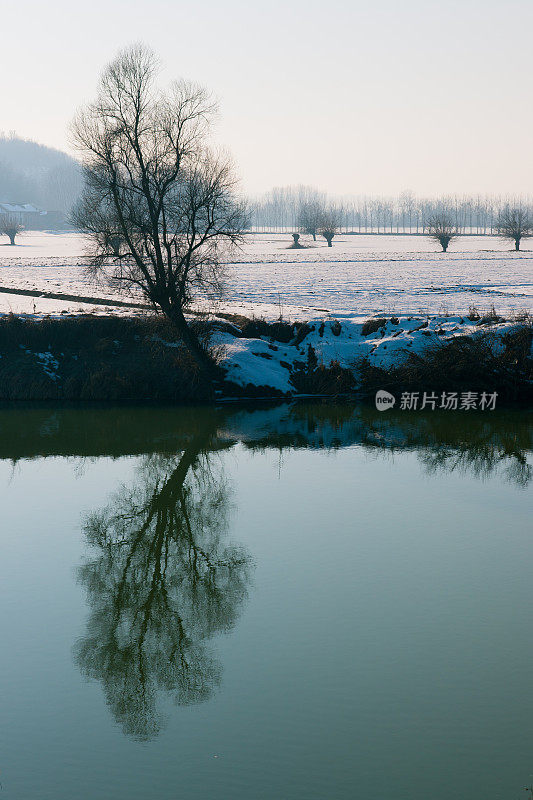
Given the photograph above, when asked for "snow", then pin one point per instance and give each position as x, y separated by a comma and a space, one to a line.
387, 273
403, 277
359, 274
43, 245
47, 361
38, 307
256, 362
342, 341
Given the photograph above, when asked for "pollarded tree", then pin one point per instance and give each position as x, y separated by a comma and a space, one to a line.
310, 216
10, 227
329, 224
514, 224
442, 228
154, 188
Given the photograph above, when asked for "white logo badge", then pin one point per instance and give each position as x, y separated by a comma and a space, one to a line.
384, 400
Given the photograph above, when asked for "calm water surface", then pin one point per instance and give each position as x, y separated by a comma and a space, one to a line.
298, 602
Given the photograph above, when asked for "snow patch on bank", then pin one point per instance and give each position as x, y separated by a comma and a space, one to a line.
257, 362
263, 362
46, 360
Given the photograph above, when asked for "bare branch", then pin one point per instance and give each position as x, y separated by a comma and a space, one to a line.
160, 209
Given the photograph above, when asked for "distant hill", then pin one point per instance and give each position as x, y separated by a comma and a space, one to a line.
33, 173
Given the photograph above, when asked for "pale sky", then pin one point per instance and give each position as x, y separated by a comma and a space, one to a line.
355, 97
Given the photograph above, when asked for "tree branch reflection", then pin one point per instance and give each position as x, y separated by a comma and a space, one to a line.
163, 583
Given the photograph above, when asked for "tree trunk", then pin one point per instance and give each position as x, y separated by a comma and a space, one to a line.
444, 248
517, 244
190, 340
12, 237
314, 237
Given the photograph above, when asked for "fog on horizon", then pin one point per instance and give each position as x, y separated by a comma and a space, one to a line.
355, 99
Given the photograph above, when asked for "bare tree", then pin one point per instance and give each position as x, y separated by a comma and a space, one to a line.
10, 227
310, 216
442, 228
514, 224
296, 242
280, 209
98, 218
159, 207
329, 224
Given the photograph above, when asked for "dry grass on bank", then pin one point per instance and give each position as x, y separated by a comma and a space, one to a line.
96, 358
479, 363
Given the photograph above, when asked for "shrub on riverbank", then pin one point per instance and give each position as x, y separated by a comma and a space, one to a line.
96, 358
134, 358
314, 378
278, 331
481, 363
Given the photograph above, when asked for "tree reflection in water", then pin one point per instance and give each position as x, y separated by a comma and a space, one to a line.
163, 582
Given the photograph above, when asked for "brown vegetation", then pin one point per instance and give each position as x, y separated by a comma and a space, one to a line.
314, 378
96, 358
479, 364
372, 325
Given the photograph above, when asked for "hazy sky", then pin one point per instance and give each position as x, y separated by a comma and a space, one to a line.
354, 97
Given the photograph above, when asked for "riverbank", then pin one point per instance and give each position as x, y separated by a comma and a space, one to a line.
95, 358
141, 359
409, 352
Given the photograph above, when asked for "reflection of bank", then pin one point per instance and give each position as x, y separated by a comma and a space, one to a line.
479, 442
163, 582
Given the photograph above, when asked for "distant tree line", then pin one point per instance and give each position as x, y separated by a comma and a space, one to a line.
290, 208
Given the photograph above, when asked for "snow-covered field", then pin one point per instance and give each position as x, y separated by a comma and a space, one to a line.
425, 295
358, 275
395, 274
